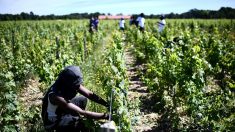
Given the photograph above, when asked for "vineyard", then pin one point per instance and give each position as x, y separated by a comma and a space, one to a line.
185, 74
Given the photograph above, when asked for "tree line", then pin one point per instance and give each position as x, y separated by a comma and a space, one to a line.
32, 16
223, 12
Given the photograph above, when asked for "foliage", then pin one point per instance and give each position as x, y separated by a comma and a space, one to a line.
178, 63
189, 67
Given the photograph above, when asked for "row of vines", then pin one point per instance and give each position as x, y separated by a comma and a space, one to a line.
39, 48
42, 49
190, 70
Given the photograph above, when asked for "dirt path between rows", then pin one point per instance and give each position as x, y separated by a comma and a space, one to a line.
147, 119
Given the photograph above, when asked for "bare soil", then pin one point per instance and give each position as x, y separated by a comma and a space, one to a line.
31, 94
147, 119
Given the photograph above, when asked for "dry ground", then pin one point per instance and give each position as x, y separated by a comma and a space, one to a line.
147, 120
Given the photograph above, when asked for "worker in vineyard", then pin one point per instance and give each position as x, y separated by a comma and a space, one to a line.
161, 23
96, 23
137, 21
132, 20
141, 21
62, 109
122, 24
91, 25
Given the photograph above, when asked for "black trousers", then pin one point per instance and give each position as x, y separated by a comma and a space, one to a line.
70, 122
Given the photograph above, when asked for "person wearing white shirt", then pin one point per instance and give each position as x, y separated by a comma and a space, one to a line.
141, 21
122, 24
161, 24
138, 20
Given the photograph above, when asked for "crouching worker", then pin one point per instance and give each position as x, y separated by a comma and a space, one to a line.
62, 109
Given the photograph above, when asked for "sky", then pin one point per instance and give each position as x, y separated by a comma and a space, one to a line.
126, 7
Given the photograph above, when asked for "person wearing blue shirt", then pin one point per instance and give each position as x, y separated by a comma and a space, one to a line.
96, 23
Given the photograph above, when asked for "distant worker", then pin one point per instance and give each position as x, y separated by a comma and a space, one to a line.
141, 21
161, 23
137, 21
96, 23
122, 24
91, 25
132, 20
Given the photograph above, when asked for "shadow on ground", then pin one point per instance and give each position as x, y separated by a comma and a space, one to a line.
154, 104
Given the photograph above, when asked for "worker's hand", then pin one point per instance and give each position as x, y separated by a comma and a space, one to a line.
106, 116
107, 106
